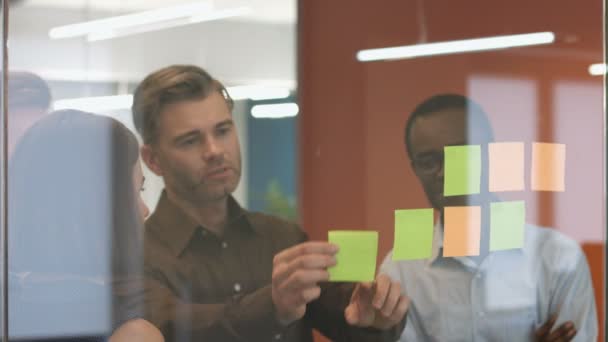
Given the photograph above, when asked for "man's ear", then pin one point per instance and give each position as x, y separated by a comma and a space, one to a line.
150, 158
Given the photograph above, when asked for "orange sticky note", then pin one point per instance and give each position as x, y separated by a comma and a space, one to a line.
461, 231
548, 167
506, 166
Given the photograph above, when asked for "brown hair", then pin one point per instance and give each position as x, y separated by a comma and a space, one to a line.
169, 85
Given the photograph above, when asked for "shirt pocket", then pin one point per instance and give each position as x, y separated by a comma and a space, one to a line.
456, 323
511, 325
525, 322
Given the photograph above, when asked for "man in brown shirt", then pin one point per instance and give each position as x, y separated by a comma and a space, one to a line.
215, 272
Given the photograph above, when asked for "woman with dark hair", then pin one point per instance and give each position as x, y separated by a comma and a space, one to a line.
75, 229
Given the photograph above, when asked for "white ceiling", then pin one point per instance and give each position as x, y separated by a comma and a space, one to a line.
258, 50
270, 11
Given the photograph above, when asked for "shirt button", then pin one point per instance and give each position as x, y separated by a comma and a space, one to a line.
237, 287
224, 245
277, 336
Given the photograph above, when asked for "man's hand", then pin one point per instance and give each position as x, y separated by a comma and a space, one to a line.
378, 305
296, 273
564, 332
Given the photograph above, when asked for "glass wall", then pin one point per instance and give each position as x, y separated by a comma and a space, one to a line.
74, 171
3, 173
532, 74
470, 136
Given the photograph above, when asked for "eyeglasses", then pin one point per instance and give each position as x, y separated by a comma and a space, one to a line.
428, 163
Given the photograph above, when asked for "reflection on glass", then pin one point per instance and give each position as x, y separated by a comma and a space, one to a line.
537, 94
75, 225
3, 176
73, 237
29, 99
490, 275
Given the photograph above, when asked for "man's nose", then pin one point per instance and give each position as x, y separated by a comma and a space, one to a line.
145, 210
213, 149
440, 172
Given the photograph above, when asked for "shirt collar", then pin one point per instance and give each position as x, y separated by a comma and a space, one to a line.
176, 228
437, 248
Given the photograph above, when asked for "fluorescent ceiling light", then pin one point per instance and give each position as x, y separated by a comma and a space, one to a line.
597, 69
145, 21
128, 31
275, 111
456, 46
257, 92
157, 26
96, 104
220, 14
129, 20
88, 75
105, 103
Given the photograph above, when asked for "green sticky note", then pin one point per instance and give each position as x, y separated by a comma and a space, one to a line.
462, 170
507, 222
356, 259
413, 234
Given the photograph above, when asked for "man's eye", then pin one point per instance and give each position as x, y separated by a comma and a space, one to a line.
427, 161
188, 142
426, 164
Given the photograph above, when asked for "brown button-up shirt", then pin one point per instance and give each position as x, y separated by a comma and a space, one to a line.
204, 287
